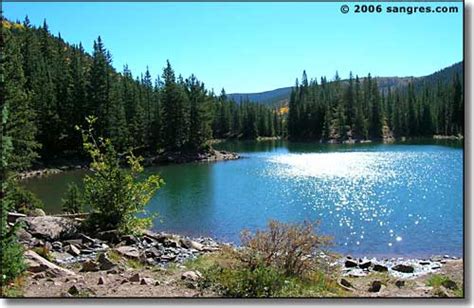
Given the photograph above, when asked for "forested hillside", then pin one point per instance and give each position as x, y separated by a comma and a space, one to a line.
360, 109
52, 86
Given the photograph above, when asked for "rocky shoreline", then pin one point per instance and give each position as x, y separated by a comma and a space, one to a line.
162, 159
58, 252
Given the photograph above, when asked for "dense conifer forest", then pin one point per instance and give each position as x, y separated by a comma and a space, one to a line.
51, 86
358, 109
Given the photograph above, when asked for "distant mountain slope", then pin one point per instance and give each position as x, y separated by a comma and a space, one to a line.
281, 96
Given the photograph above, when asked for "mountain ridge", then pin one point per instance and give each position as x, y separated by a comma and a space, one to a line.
281, 96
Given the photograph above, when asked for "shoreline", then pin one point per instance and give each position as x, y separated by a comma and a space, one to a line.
60, 259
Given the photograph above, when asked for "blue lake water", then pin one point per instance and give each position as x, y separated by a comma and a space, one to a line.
373, 199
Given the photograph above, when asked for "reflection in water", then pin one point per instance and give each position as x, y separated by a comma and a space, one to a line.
373, 199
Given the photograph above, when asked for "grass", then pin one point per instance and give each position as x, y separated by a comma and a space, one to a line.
14, 289
437, 281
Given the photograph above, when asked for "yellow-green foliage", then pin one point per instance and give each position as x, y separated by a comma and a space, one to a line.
116, 195
272, 263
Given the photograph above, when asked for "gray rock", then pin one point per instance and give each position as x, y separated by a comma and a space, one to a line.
128, 251
74, 290
400, 283
90, 266
105, 263
37, 212
365, 265
73, 250
403, 268
350, 263
101, 281
191, 276
380, 268
375, 286
36, 264
147, 281
58, 246
50, 227
346, 283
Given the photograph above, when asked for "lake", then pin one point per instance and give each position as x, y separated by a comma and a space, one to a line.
374, 199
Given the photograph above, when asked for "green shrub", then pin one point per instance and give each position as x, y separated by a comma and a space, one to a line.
73, 203
116, 196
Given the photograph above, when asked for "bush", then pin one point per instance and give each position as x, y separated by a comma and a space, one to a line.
116, 196
271, 263
12, 264
73, 203
288, 248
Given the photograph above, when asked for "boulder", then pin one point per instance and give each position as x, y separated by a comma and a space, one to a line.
375, 286
101, 281
190, 244
58, 246
73, 250
128, 251
403, 268
90, 266
400, 283
24, 236
365, 265
50, 227
380, 268
105, 263
147, 281
191, 276
346, 285
36, 263
350, 263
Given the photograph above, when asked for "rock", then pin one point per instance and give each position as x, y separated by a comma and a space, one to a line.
380, 268
40, 275
73, 250
449, 284
90, 266
75, 242
87, 239
135, 278
436, 258
23, 236
167, 257
157, 283
191, 275
36, 264
50, 227
365, 265
189, 244
124, 281
101, 281
58, 246
129, 240
152, 253
147, 281
345, 284
400, 283
424, 262
105, 263
128, 251
375, 286
350, 263
37, 212
403, 268
47, 246
74, 290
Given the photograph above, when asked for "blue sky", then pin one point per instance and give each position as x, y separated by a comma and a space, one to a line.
253, 47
